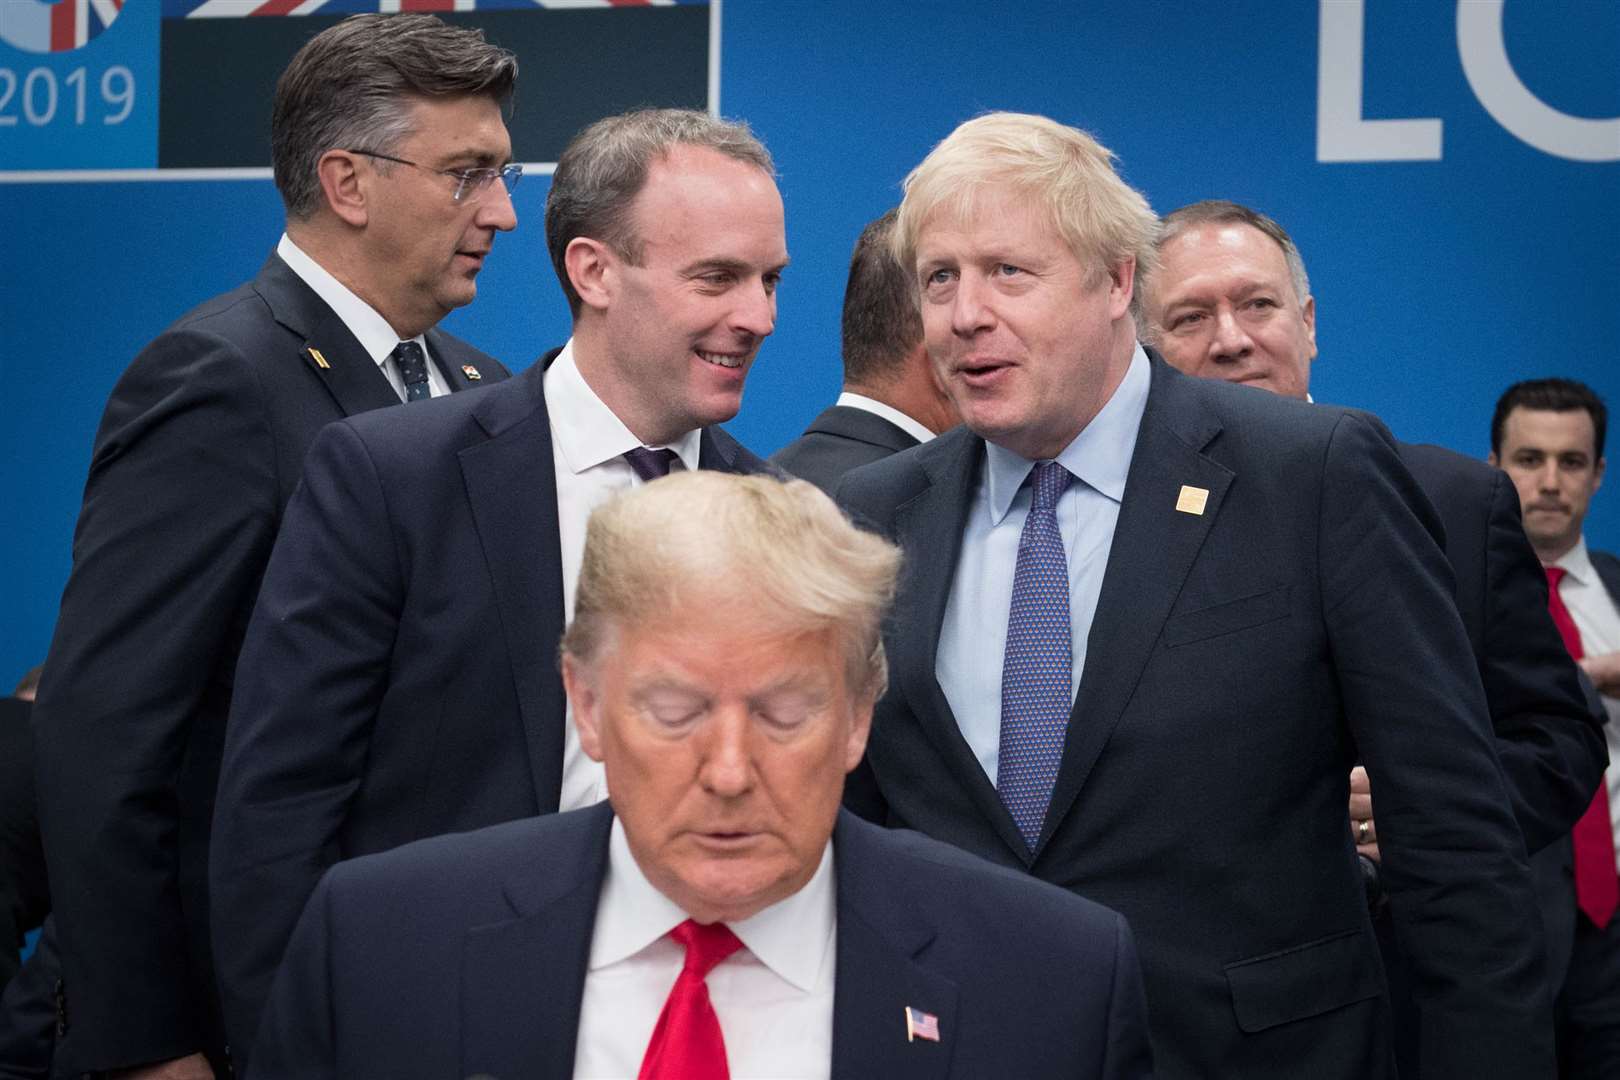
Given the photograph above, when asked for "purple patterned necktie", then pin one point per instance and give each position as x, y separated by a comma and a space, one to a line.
413, 370
650, 464
1038, 668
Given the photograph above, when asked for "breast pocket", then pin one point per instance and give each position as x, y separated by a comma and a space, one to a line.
1227, 618
1304, 981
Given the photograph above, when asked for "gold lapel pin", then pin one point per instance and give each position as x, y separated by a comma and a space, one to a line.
471, 372
1192, 500
320, 361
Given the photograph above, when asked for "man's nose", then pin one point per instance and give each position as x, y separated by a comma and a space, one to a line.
1230, 342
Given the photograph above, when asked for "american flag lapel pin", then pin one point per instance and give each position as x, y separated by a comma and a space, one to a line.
471, 372
921, 1025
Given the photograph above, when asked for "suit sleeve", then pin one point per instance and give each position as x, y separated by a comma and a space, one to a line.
1550, 741
1453, 860
1130, 1051
313, 670
297, 1040
179, 512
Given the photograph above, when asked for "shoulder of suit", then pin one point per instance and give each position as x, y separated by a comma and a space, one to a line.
924, 872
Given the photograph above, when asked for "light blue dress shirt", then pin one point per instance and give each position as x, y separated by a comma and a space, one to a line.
973, 638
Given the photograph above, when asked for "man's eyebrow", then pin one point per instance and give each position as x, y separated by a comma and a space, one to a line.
735, 266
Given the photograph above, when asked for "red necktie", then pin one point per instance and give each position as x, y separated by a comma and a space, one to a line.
687, 1044
1597, 886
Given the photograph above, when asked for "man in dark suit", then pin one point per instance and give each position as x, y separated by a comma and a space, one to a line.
396, 681
1548, 435
722, 917
1146, 676
892, 399
1231, 300
197, 454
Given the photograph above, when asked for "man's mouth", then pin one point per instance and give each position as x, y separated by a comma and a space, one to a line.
725, 360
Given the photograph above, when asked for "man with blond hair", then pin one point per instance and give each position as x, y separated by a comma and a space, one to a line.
721, 916
1151, 621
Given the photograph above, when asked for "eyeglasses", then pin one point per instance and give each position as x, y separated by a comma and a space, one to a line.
470, 183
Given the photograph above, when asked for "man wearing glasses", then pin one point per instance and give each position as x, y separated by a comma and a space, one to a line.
198, 452
399, 675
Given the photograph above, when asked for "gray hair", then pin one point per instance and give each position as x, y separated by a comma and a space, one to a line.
350, 87
1225, 212
782, 548
1102, 219
605, 167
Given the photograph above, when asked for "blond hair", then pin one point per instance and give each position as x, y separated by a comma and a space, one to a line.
1102, 219
781, 548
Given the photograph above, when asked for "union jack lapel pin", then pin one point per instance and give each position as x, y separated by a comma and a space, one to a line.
471, 372
921, 1025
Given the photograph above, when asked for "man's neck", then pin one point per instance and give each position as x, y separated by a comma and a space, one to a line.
591, 358
341, 261
1550, 554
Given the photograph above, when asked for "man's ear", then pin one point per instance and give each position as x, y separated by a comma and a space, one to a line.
593, 269
343, 186
586, 702
1121, 287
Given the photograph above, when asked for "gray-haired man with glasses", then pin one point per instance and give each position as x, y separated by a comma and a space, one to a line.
199, 450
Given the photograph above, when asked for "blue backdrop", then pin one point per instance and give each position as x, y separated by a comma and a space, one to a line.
1438, 279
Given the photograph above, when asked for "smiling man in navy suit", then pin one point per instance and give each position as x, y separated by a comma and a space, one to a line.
394, 681
722, 917
1147, 625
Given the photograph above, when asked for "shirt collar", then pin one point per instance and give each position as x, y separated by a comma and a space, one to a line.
1100, 455
789, 937
1577, 564
888, 412
585, 432
368, 327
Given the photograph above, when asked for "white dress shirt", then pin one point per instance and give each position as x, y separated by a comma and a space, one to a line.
888, 412
587, 453
368, 327
773, 997
1598, 620
973, 636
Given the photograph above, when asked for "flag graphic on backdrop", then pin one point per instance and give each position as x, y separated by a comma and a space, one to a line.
58, 27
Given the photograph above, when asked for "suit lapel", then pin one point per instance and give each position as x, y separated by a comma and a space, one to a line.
522, 980
512, 491
937, 515
459, 365
879, 976
1153, 551
327, 347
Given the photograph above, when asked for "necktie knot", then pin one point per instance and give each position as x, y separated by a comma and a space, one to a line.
1555, 574
706, 945
1049, 480
650, 464
412, 370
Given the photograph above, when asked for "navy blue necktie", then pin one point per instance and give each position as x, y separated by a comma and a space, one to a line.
1038, 667
650, 464
413, 370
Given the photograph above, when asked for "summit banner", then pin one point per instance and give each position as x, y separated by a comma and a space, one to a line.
137, 89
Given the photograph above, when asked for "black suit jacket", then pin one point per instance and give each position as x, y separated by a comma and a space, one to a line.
467, 956
1548, 738
841, 439
198, 452
1239, 662
399, 679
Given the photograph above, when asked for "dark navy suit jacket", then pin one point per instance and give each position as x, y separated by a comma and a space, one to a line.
199, 449
1240, 660
466, 956
399, 678
841, 439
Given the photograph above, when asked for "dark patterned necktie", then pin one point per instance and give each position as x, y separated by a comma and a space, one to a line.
413, 370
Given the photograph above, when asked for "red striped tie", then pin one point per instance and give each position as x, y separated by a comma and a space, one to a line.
1597, 885
687, 1044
